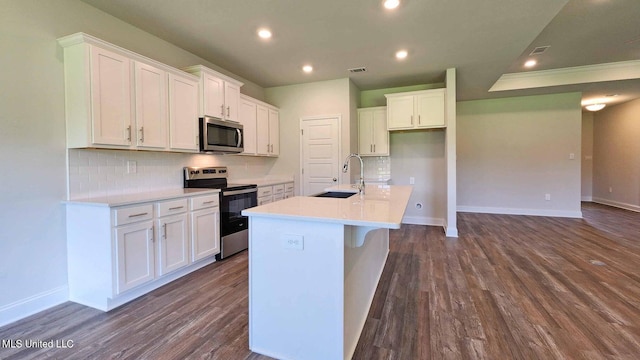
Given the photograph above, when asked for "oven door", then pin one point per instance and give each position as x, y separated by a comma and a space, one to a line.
232, 204
220, 136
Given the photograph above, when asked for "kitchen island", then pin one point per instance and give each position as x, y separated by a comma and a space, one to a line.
314, 264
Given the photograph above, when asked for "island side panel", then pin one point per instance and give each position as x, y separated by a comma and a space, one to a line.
362, 271
296, 288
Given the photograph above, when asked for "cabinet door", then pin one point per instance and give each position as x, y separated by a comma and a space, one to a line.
231, 101
205, 233
274, 132
263, 146
183, 113
110, 98
248, 118
400, 112
135, 255
213, 93
365, 132
430, 109
173, 238
151, 106
379, 133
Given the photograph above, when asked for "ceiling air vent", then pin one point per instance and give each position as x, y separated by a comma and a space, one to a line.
358, 70
539, 50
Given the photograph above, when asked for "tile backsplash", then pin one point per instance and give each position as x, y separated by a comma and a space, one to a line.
377, 167
98, 173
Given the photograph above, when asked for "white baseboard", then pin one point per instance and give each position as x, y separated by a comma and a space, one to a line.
422, 220
512, 211
33, 304
587, 198
617, 204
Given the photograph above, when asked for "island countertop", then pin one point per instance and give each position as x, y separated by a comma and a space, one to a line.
381, 206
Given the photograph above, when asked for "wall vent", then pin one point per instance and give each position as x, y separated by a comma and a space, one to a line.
539, 50
358, 70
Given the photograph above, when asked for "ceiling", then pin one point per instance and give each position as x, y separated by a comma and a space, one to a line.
482, 39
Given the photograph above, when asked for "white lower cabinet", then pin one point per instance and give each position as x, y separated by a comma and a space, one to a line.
116, 254
270, 193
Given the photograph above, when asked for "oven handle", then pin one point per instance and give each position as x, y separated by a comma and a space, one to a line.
237, 192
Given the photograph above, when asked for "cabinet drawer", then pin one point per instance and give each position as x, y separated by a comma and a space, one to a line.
202, 202
265, 191
278, 189
278, 197
288, 187
132, 214
265, 200
172, 207
288, 194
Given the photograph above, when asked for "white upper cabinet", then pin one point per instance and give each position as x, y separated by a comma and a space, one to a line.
117, 99
219, 94
416, 110
373, 136
151, 106
110, 102
183, 113
261, 123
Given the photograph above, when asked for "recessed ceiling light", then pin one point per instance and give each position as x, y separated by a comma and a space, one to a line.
530, 63
401, 54
264, 33
391, 4
307, 68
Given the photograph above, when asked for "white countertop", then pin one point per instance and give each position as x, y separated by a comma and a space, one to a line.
129, 199
381, 206
264, 181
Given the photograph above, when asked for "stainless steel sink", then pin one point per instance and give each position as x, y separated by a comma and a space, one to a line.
335, 194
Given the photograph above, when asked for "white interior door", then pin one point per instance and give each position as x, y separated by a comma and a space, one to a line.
320, 139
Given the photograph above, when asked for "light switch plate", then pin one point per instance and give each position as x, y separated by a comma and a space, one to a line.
292, 241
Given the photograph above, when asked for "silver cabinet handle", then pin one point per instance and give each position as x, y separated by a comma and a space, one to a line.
164, 231
222, 110
374, 147
228, 111
151, 234
208, 202
419, 122
411, 119
197, 140
137, 215
176, 207
142, 134
129, 133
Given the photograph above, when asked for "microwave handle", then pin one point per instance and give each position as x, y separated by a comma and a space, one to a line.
239, 138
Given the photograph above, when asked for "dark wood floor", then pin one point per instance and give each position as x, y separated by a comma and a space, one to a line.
511, 287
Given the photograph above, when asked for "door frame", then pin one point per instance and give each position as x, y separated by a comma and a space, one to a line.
301, 165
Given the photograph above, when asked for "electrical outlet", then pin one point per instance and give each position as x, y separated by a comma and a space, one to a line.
547, 197
291, 241
572, 156
610, 189
412, 180
132, 167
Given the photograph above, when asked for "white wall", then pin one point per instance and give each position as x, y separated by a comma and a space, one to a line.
303, 100
513, 151
616, 156
420, 154
587, 156
32, 133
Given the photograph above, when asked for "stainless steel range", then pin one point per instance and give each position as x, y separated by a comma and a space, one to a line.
234, 234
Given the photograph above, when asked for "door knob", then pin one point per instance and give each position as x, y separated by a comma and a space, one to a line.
334, 179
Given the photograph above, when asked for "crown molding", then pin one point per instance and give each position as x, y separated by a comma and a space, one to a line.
623, 70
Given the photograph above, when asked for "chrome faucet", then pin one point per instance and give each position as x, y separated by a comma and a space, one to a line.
345, 167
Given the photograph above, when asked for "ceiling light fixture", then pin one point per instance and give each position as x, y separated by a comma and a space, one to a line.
307, 68
402, 54
264, 33
595, 107
391, 4
530, 63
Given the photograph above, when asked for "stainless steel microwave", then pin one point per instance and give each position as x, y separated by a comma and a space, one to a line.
220, 136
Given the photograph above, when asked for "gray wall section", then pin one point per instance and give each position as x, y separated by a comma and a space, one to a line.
513, 151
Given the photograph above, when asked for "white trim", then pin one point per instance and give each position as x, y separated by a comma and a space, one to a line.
617, 204
623, 70
423, 220
587, 198
33, 304
301, 163
515, 211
